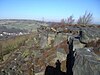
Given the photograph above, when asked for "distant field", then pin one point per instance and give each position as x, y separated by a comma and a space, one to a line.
22, 24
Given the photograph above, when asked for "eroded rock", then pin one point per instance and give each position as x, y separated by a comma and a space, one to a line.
86, 63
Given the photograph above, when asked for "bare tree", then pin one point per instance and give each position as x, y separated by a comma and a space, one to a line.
62, 21
85, 19
70, 20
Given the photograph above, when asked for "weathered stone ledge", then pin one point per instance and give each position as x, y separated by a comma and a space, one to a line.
86, 62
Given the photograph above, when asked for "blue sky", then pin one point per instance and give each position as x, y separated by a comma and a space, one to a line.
51, 10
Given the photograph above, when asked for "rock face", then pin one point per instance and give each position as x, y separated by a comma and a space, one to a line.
89, 34
86, 63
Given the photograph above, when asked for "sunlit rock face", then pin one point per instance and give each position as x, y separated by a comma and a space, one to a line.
86, 62
77, 44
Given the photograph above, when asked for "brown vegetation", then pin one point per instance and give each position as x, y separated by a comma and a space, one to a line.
95, 45
11, 44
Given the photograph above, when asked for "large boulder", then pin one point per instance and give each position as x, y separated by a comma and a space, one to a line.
86, 62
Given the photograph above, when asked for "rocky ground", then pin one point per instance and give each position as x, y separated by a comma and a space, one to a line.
39, 51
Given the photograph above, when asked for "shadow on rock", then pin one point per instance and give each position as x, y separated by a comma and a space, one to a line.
50, 70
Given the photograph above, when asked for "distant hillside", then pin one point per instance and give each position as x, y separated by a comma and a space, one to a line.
11, 30
21, 24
